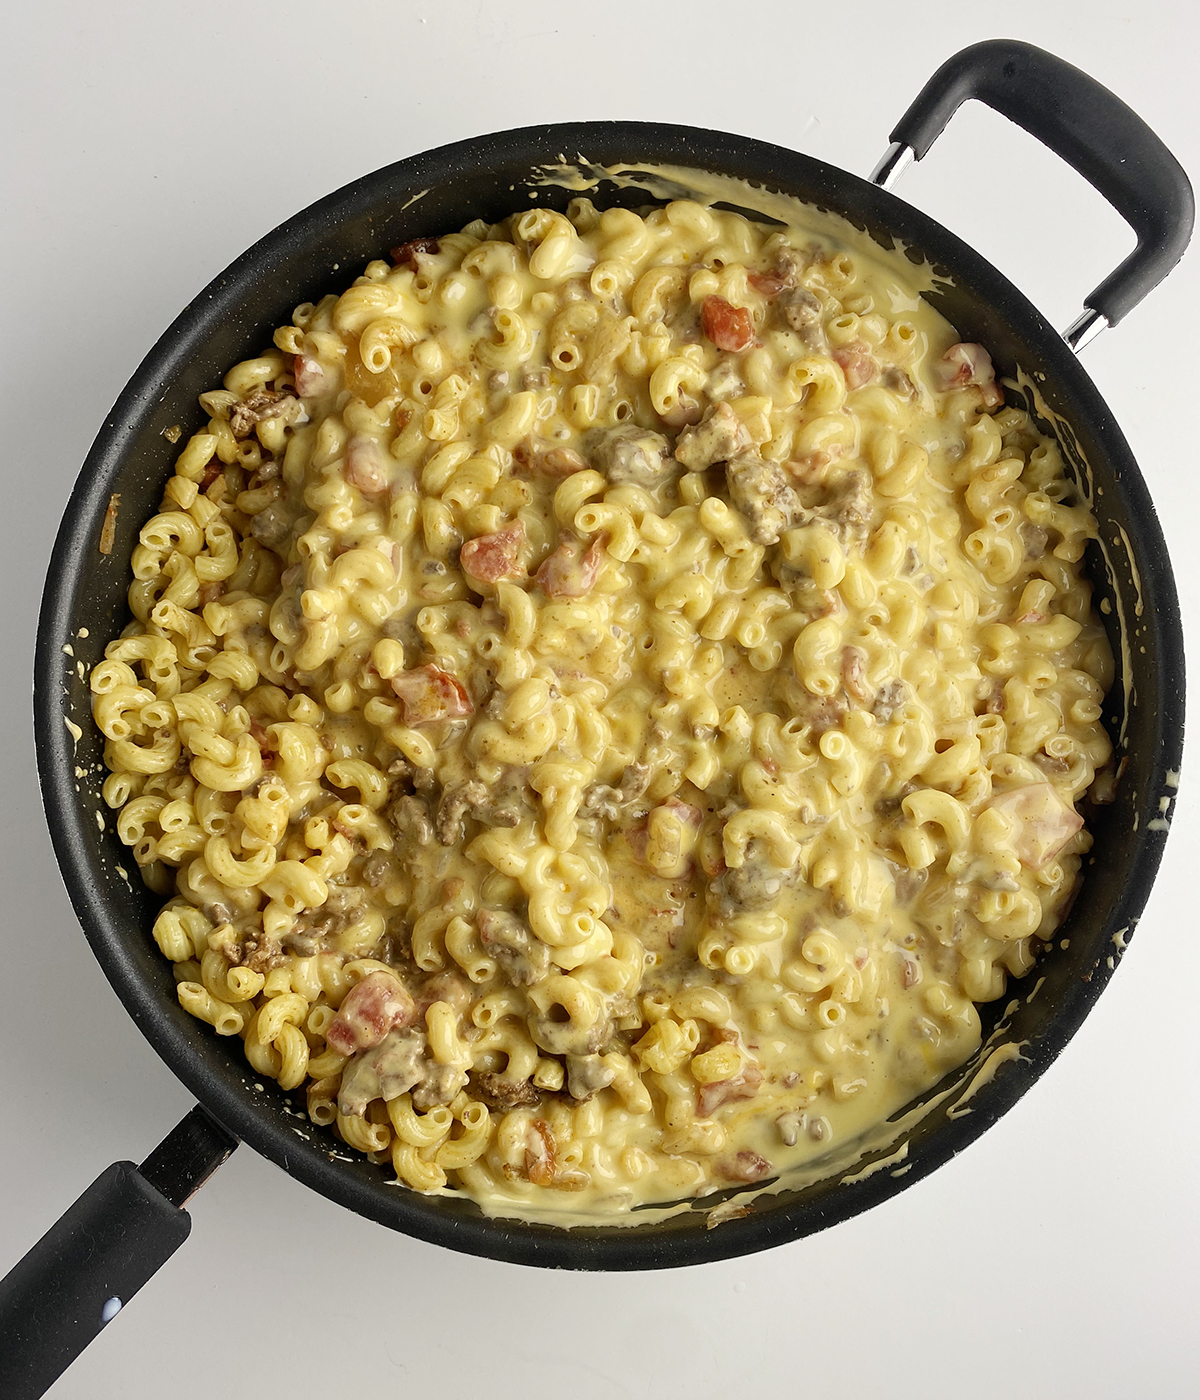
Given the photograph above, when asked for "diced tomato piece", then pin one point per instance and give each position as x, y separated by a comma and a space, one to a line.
569, 574
745, 1166
541, 1166
687, 814
488, 558
1044, 822
561, 461
858, 367
638, 837
968, 364
370, 1010
365, 466
810, 468
557, 461
710, 1097
770, 284
430, 694
788, 266
729, 327
406, 254
310, 376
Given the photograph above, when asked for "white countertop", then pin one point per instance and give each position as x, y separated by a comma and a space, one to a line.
147, 145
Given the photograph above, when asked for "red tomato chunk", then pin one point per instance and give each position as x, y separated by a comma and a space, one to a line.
406, 254
370, 1010
729, 327
430, 694
569, 574
489, 558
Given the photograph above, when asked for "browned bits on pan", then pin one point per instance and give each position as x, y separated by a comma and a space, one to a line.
108, 531
406, 254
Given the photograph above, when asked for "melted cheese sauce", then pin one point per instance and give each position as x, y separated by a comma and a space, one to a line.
608, 696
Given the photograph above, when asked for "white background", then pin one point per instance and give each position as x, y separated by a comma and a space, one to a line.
146, 145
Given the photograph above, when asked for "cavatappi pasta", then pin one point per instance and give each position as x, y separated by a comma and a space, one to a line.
607, 695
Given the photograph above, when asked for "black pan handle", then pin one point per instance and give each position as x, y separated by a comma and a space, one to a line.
87, 1266
1092, 129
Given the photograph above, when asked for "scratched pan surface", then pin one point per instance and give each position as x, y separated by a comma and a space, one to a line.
321, 250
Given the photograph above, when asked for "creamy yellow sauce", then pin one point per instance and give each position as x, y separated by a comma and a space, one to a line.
608, 696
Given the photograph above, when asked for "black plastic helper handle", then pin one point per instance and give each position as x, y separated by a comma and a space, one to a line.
87, 1266
1090, 128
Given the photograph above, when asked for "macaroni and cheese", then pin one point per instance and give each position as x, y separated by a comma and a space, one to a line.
607, 696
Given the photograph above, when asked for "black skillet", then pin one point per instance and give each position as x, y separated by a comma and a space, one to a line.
131, 1219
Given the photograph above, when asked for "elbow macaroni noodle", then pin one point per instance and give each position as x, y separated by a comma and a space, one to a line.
580, 825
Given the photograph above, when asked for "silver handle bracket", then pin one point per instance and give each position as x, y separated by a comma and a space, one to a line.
1085, 328
896, 160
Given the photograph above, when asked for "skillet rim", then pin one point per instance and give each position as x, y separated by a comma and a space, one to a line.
613, 1247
